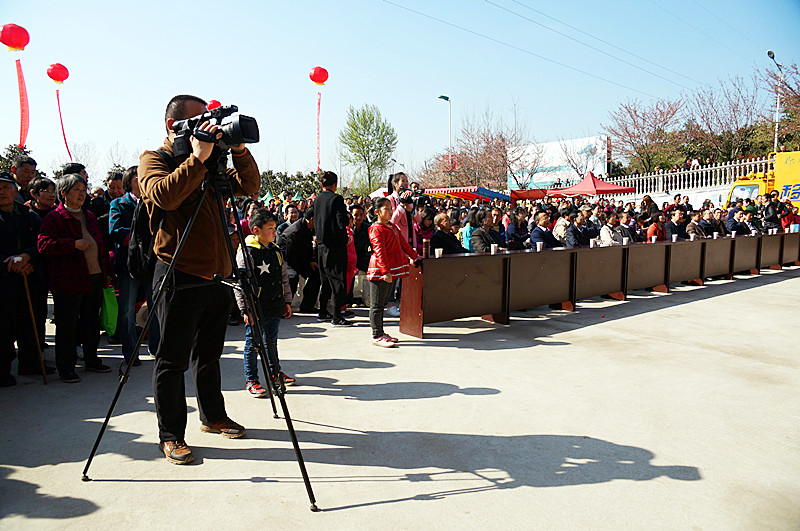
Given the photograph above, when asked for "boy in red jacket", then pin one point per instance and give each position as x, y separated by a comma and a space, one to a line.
389, 261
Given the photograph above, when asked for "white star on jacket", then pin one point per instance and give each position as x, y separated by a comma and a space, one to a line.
264, 268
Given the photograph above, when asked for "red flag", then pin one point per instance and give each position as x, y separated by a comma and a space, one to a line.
24, 112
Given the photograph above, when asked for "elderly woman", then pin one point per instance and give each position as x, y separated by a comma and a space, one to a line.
77, 264
120, 219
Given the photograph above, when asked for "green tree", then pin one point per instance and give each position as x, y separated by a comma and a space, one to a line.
12, 152
369, 141
279, 182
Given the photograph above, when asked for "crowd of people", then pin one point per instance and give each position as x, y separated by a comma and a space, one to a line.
73, 245
322, 255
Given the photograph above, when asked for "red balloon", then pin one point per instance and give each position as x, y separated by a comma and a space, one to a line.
318, 75
15, 37
213, 104
58, 72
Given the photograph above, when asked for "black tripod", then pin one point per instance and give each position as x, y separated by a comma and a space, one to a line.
242, 279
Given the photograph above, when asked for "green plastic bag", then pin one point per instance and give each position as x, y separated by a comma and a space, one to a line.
109, 310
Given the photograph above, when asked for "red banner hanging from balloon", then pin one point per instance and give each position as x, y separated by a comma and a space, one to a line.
319, 105
24, 111
63, 134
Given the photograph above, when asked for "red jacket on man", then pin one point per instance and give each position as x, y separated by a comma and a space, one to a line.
390, 250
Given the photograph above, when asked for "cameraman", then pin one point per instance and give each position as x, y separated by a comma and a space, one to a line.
194, 311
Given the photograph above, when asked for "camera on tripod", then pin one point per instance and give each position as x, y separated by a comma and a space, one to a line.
239, 129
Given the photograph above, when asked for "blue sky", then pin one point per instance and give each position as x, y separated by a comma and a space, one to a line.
126, 60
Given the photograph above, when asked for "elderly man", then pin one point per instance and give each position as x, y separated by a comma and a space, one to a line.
19, 228
443, 238
694, 226
24, 170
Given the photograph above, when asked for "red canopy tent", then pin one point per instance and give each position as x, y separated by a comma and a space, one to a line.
521, 195
591, 185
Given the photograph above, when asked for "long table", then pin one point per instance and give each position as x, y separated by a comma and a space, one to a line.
493, 285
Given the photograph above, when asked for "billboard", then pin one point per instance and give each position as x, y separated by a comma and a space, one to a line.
552, 164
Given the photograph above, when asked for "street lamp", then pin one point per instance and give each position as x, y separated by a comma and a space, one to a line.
449, 130
777, 95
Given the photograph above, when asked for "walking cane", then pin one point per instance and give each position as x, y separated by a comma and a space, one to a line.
35, 331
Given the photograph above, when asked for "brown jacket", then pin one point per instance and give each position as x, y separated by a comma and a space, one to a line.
694, 228
204, 253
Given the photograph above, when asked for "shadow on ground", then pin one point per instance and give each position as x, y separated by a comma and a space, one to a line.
22, 498
491, 462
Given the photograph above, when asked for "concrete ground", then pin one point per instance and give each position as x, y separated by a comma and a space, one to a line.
676, 411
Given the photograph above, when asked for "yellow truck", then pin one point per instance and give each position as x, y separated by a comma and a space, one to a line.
783, 176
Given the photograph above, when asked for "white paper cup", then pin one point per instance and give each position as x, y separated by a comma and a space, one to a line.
674, 238
653, 239
625, 240
733, 234
592, 242
493, 248
539, 246
691, 237
438, 252
753, 232
716, 235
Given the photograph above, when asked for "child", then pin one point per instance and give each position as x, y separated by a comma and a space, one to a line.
387, 263
274, 298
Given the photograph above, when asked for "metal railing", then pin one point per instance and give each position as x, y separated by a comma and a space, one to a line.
710, 176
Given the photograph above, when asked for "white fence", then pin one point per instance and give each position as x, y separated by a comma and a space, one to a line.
711, 176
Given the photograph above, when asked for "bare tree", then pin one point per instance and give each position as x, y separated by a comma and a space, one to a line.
642, 132
789, 90
488, 149
726, 116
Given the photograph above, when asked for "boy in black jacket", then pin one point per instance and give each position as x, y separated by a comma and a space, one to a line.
274, 298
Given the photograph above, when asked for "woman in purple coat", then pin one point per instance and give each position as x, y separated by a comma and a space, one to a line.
77, 265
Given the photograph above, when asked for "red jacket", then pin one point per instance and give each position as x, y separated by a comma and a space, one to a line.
390, 250
67, 273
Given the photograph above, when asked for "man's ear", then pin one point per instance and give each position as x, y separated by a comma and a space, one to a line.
170, 121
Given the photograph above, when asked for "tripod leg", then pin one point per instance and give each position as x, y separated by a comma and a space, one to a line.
253, 309
151, 315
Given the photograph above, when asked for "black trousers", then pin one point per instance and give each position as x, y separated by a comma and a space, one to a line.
193, 322
378, 295
310, 290
77, 324
16, 324
332, 264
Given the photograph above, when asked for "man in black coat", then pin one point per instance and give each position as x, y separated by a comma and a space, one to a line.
443, 239
297, 247
541, 233
675, 226
577, 234
774, 212
330, 225
19, 229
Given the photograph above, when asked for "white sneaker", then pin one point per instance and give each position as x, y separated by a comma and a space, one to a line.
382, 342
393, 311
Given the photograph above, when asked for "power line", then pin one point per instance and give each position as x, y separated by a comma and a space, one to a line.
523, 50
609, 43
699, 31
498, 6
737, 30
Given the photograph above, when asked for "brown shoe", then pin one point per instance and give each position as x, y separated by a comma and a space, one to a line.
226, 427
177, 452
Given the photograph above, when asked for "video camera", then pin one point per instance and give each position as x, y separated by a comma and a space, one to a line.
238, 130
418, 197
